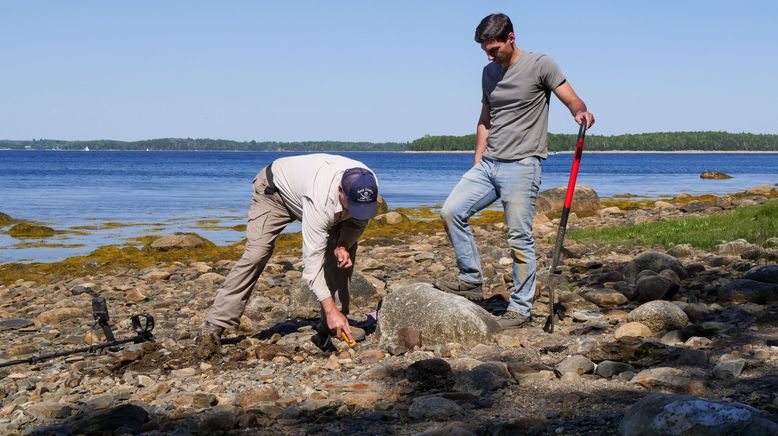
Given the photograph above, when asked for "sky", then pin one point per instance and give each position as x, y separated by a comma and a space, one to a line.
371, 71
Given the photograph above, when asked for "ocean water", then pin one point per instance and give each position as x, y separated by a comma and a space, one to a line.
144, 193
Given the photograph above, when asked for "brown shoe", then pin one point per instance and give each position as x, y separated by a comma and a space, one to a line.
471, 291
511, 319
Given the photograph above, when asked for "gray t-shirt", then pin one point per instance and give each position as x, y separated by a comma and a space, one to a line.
518, 98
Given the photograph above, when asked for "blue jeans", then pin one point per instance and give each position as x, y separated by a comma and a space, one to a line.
516, 184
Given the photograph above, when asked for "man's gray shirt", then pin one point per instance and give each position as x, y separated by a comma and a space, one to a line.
518, 98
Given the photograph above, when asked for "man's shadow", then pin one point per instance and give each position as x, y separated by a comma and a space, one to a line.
290, 326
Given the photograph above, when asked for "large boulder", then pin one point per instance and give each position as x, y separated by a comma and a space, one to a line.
177, 241
763, 273
678, 415
659, 316
586, 202
654, 261
743, 291
440, 317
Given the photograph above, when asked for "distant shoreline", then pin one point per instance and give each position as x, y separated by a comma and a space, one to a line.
614, 152
430, 151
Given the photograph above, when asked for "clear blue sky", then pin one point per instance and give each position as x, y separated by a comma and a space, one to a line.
370, 71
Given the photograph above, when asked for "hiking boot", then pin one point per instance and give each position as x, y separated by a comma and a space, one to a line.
511, 319
208, 341
470, 291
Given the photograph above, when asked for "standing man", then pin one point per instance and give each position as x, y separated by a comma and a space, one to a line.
510, 142
333, 197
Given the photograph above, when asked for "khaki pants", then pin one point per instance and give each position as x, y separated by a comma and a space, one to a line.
268, 216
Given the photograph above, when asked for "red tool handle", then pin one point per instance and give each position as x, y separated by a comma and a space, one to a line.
576, 163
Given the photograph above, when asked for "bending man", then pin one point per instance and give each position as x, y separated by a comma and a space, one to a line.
510, 142
333, 197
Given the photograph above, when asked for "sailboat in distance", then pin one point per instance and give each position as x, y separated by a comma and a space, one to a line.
86, 148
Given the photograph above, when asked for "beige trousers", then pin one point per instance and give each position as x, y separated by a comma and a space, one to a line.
268, 216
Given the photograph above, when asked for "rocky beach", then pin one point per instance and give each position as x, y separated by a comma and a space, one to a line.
655, 339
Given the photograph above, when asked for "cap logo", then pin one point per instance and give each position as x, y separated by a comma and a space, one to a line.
365, 195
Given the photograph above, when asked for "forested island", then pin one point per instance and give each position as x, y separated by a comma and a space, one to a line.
661, 141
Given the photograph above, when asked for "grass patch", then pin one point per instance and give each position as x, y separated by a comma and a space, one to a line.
753, 223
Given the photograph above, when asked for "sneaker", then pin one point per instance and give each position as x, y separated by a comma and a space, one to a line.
511, 319
208, 340
468, 290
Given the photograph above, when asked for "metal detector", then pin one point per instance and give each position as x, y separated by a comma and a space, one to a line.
560, 236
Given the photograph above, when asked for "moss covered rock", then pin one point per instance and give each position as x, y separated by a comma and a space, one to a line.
6, 219
715, 175
383, 207
177, 241
26, 230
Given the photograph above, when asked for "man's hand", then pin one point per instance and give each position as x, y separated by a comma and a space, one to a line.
588, 116
344, 259
335, 319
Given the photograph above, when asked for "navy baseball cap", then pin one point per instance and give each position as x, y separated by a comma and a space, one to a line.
361, 189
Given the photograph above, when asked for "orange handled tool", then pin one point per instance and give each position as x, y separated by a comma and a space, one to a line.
345, 339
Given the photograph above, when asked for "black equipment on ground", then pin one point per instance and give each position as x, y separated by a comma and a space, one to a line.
142, 325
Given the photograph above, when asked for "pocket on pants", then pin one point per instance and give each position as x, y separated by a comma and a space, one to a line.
256, 225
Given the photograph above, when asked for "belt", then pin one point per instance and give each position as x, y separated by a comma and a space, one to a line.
270, 189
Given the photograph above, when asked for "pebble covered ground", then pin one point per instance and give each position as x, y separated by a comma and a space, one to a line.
637, 321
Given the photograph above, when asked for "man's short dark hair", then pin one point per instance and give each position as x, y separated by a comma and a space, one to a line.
494, 26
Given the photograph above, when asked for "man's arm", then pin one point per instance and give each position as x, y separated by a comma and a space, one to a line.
350, 230
577, 107
315, 227
482, 132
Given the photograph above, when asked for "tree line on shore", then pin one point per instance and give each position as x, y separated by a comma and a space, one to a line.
660, 141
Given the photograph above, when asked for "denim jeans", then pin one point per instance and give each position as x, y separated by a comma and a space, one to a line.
516, 184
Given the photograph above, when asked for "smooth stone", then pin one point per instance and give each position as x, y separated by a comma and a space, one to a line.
576, 365
763, 273
605, 298
436, 408
654, 261
667, 379
609, 368
15, 323
177, 241
587, 315
665, 415
649, 288
659, 316
729, 368
633, 329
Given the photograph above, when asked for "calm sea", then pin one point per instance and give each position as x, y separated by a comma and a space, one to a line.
163, 192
